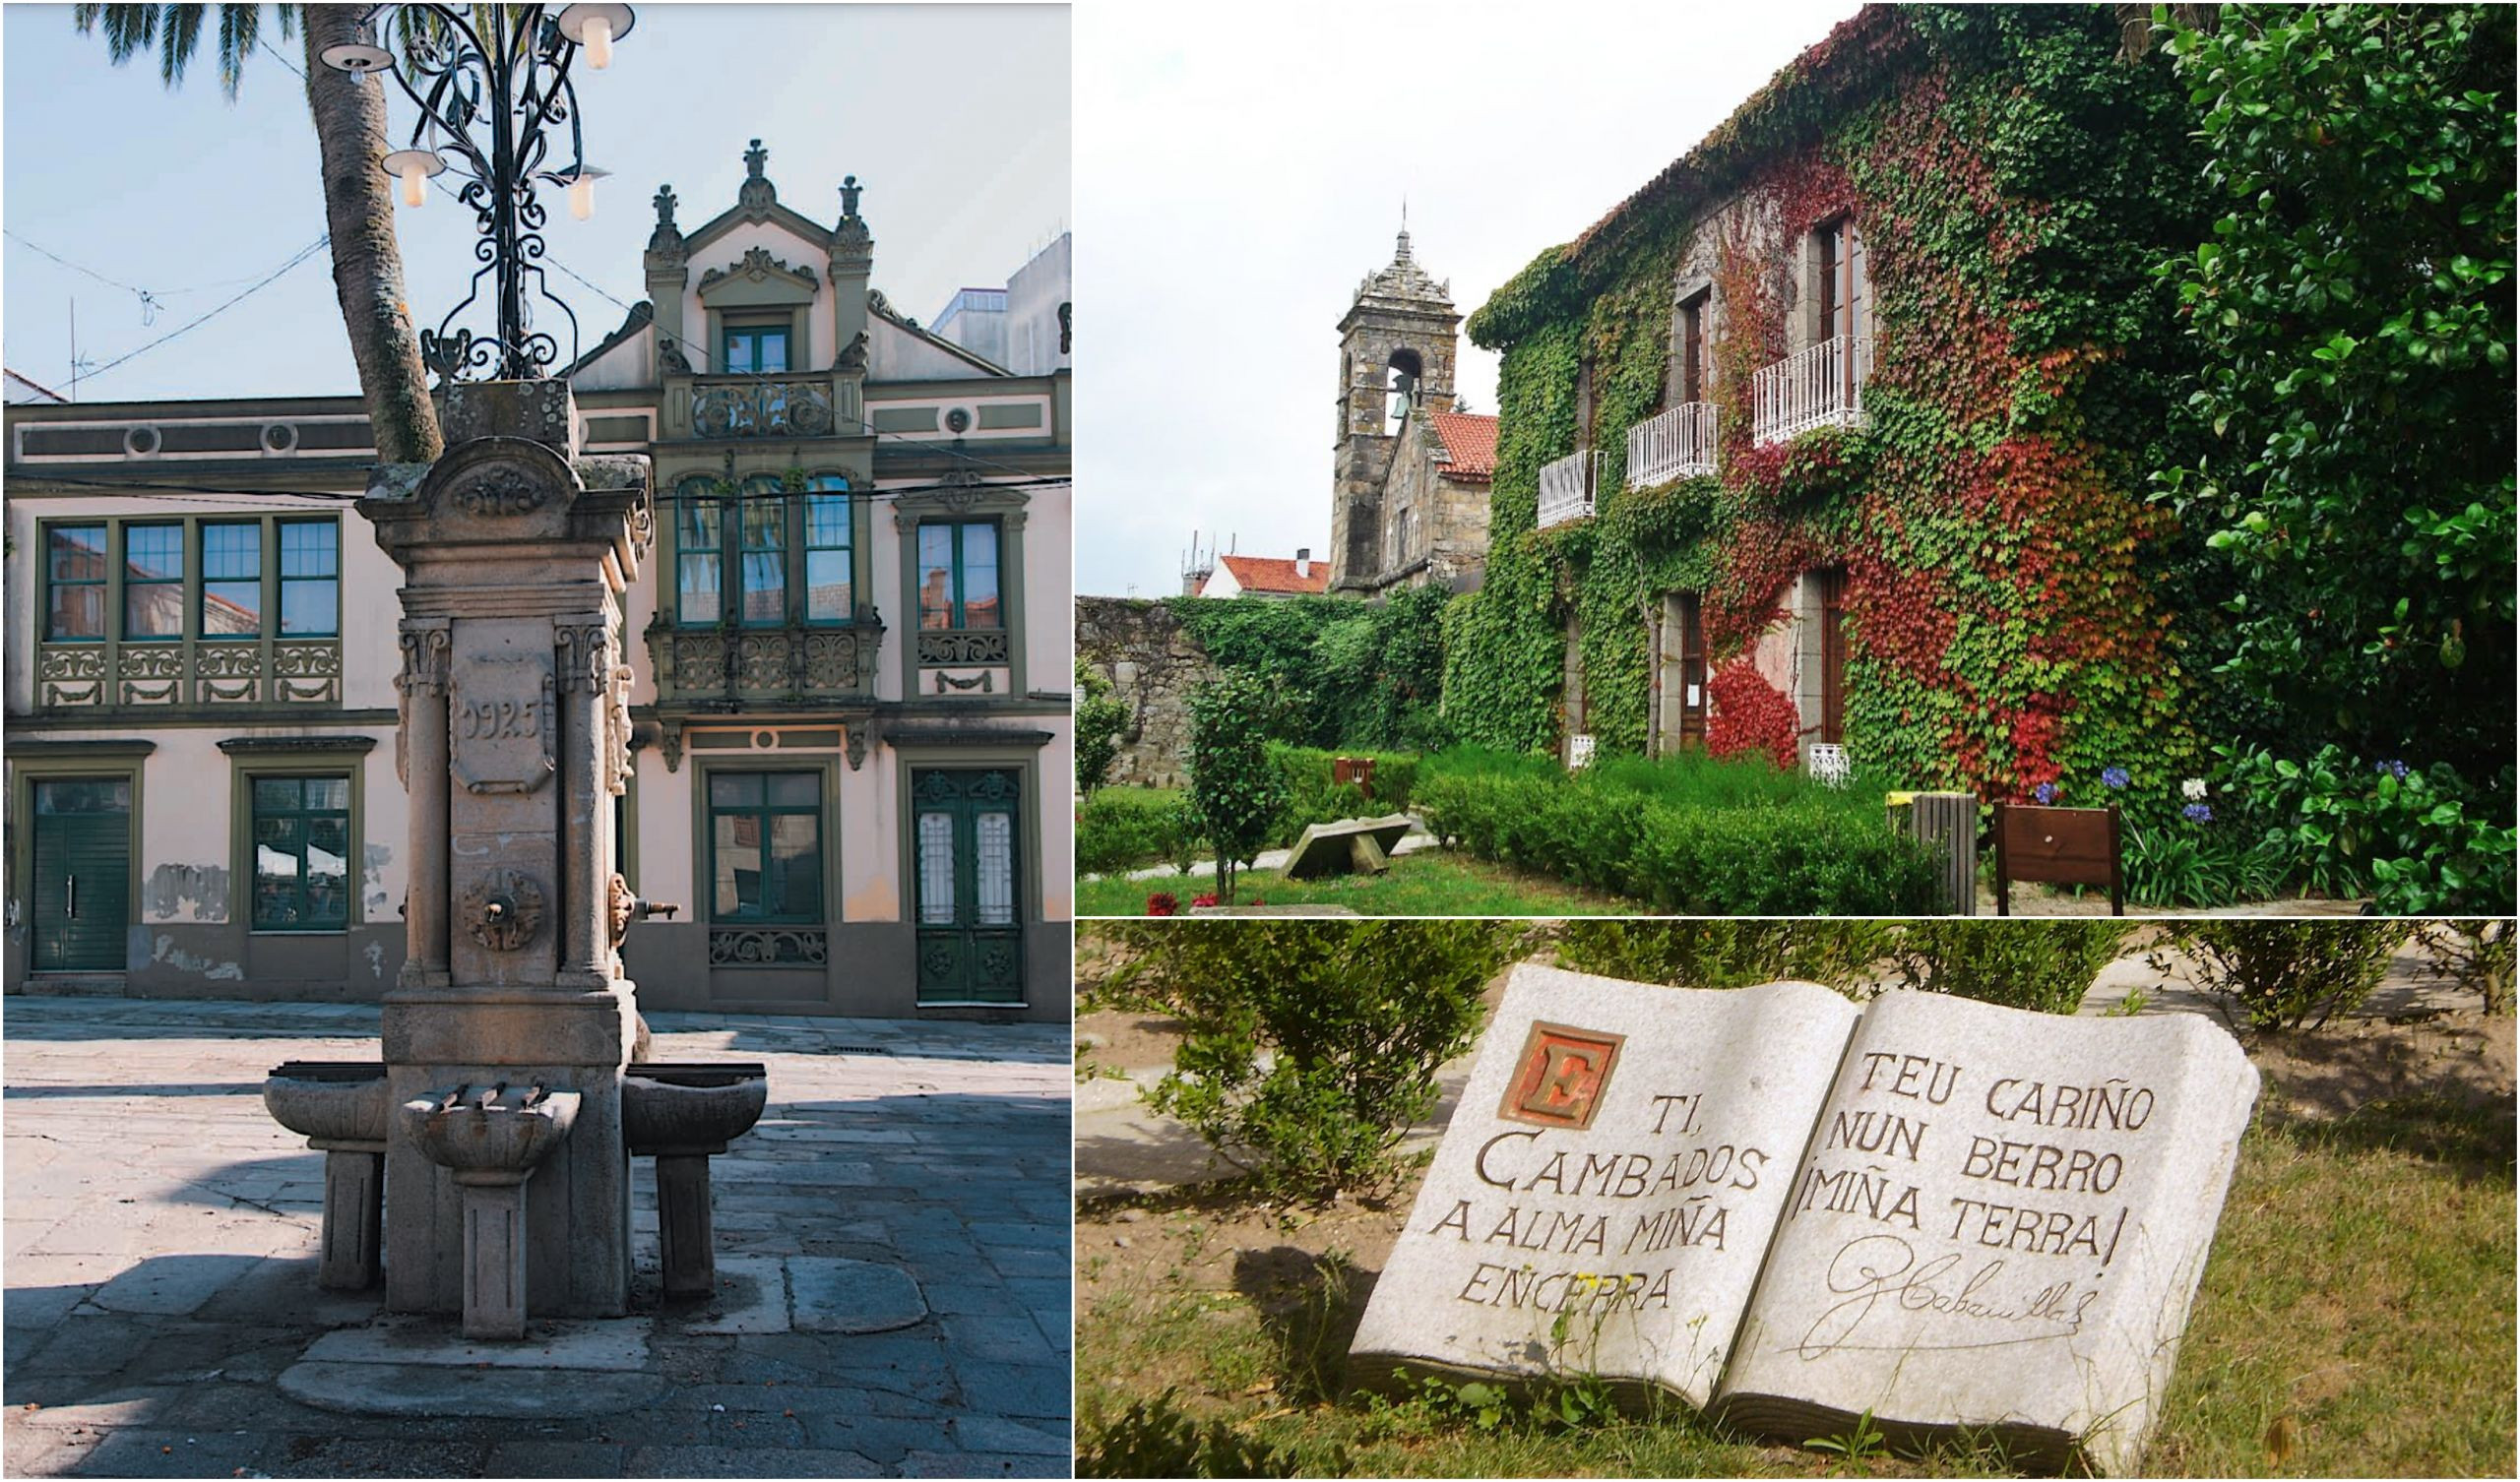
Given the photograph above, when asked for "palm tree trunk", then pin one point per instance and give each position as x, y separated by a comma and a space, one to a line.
367, 263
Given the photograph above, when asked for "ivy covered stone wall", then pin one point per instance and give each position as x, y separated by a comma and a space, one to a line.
2014, 179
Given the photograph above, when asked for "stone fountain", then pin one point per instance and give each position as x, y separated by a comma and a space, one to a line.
501, 1119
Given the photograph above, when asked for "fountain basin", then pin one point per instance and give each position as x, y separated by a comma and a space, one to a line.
491, 1133
329, 1101
691, 1106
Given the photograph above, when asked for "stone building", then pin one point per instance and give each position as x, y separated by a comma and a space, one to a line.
852, 732
1433, 504
1396, 346
1816, 426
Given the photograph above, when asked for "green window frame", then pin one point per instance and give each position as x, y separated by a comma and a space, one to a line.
959, 577
122, 580
767, 556
303, 871
760, 537
310, 578
830, 551
230, 604
750, 349
773, 823
700, 569
77, 564
152, 582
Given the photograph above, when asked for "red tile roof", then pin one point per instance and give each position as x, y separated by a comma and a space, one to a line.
1275, 573
1470, 441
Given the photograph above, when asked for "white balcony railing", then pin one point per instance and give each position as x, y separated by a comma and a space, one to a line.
1819, 386
1678, 444
1566, 487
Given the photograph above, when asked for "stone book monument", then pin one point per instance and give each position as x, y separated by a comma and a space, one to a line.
1790, 1210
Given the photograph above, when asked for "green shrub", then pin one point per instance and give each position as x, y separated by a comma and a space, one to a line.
1727, 954
1127, 828
2046, 965
1687, 836
1099, 719
2417, 840
1352, 1019
2288, 974
1237, 793
1152, 1438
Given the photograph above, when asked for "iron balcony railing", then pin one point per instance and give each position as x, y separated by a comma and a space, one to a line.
1566, 487
1678, 444
1818, 386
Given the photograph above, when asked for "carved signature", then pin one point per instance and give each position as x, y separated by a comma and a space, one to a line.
1871, 1268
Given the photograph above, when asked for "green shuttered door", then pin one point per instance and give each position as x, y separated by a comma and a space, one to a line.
82, 874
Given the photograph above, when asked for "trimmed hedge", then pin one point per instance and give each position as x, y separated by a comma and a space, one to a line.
1312, 798
1123, 828
1816, 856
1132, 827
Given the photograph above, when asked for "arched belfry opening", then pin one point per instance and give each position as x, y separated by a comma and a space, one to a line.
1404, 374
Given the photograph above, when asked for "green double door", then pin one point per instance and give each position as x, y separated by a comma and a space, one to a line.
966, 844
81, 896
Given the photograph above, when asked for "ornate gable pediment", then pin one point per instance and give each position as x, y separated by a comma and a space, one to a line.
758, 272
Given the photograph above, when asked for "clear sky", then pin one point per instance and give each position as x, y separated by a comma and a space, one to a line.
954, 118
1241, 168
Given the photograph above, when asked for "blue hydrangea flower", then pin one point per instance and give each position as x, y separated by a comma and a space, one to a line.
2396, 769
2045, 793
2115, 777
2198, 813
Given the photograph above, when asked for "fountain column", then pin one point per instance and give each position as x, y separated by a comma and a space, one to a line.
514, 554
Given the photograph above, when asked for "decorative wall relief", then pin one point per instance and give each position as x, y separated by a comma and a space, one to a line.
503, 909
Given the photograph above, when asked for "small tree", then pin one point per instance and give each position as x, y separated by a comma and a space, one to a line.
2475, 956
1354, 1018
1235, 791
1101, 717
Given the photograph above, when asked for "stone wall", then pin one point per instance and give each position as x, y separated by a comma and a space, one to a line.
1153, 662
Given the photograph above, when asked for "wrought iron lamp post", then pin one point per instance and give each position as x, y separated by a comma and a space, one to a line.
492, 86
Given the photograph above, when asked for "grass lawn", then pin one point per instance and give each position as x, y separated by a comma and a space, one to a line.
2356, 1320
1427, 883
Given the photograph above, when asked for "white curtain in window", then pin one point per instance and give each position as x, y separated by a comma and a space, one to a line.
996, 884
936, 869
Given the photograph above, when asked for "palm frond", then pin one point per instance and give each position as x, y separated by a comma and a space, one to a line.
239, 28
181, 35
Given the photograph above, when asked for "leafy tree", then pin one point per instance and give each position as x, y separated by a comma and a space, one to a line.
1235, 790
2352, 316
1099, 719
1353, 1018
358, 205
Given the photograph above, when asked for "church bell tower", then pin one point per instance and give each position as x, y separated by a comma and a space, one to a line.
1395, 341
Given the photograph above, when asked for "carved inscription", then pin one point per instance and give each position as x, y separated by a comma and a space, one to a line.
503, 723
501, 493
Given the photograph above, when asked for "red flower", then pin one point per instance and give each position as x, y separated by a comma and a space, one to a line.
1162, 903
1202, 903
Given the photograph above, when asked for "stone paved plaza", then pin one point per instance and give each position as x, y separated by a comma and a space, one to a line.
161, 1234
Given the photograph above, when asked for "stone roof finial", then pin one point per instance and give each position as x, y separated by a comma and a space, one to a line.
664, 244
757, 194
849, 191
